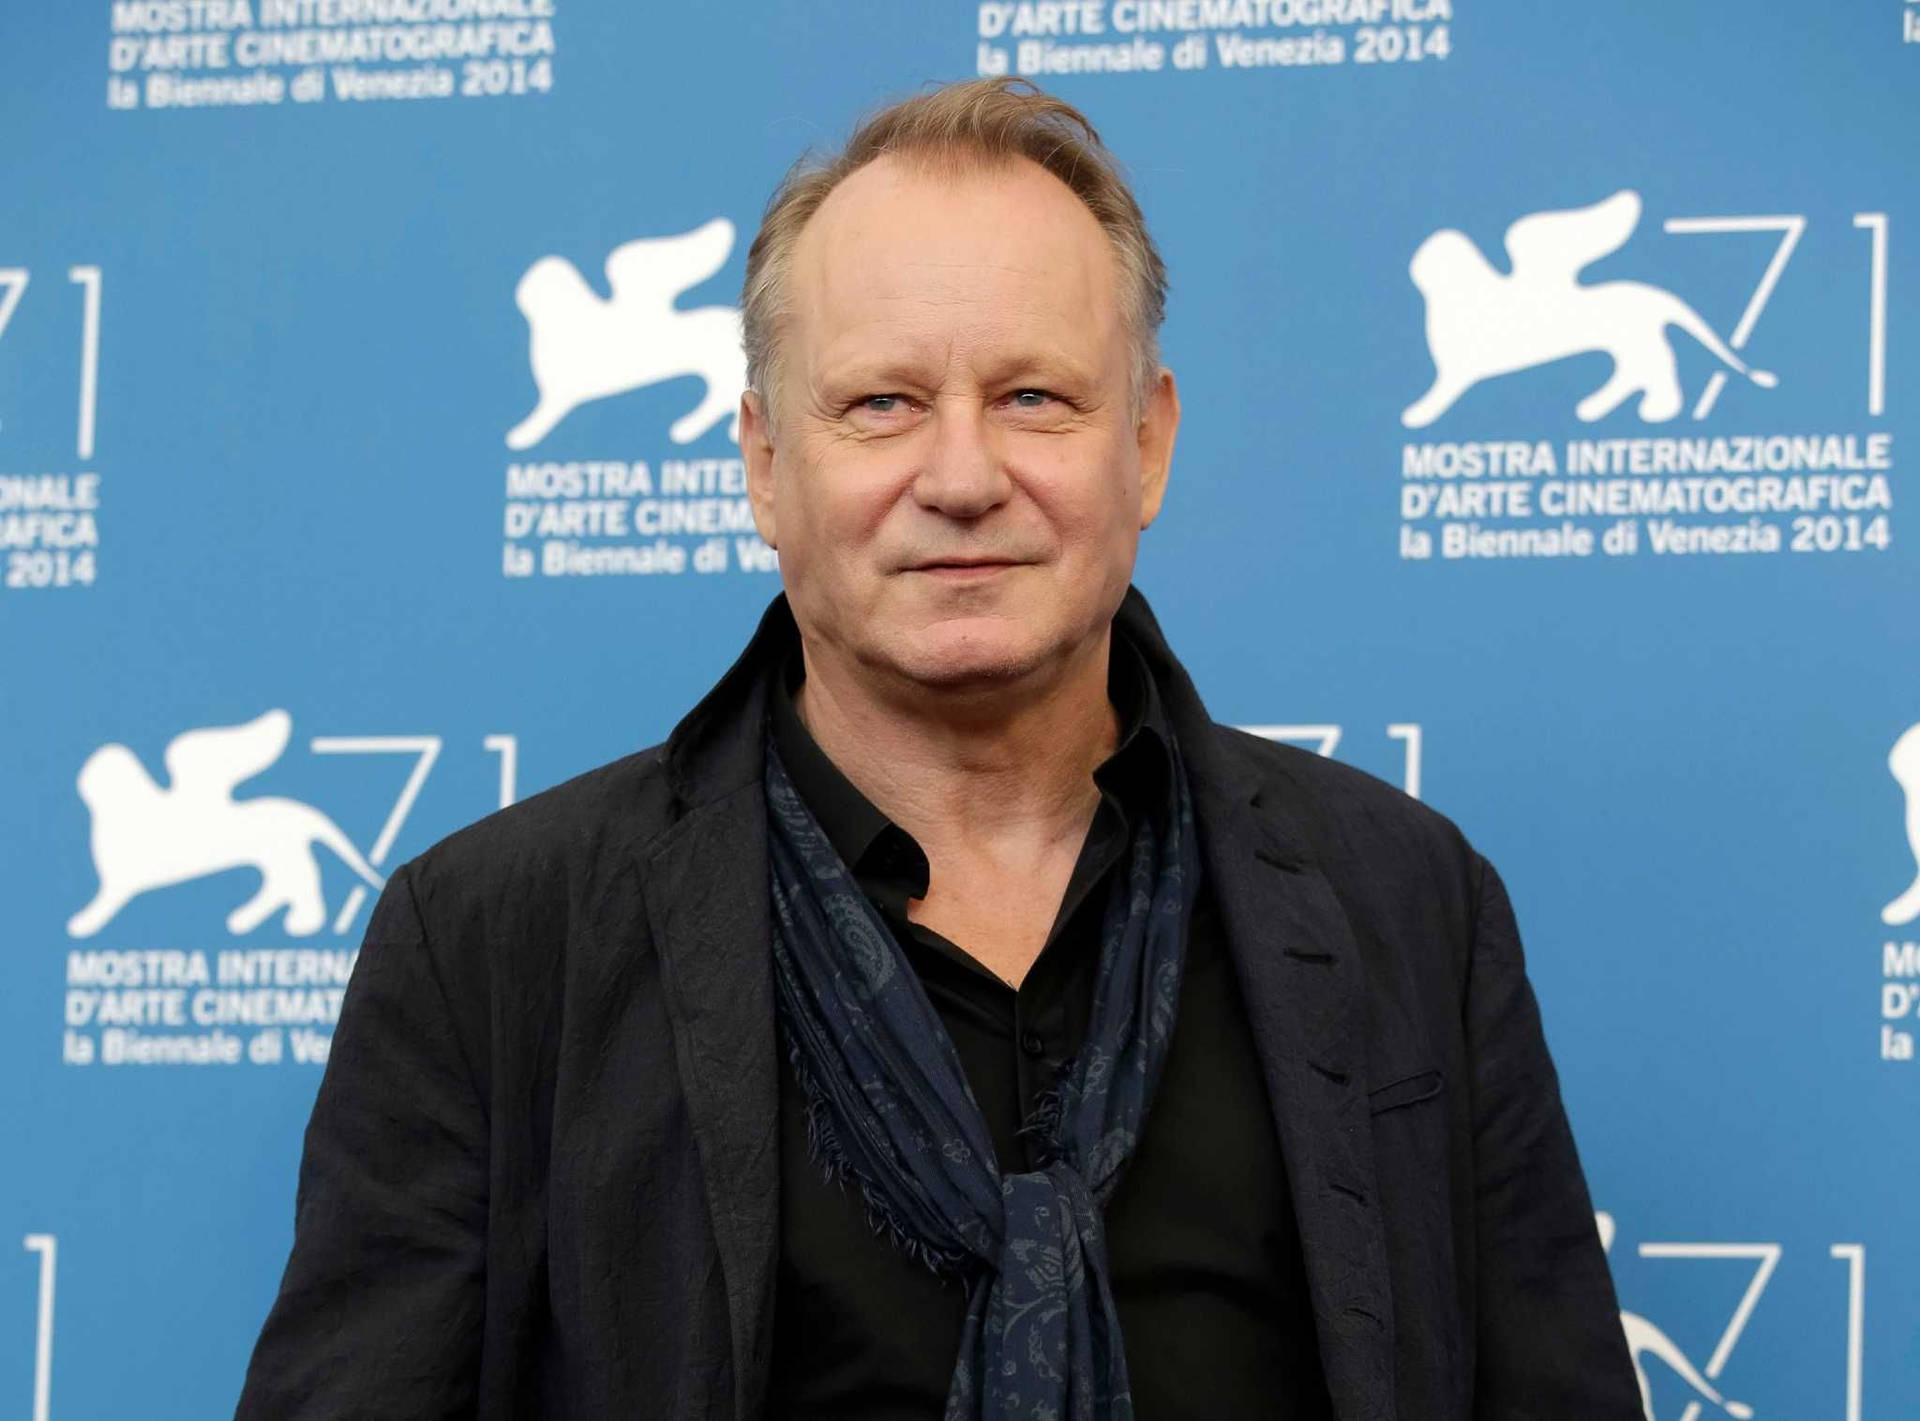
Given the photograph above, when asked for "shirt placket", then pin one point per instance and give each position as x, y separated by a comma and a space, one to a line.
1040, 1048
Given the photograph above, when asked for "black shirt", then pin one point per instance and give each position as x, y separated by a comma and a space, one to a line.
1206, 1263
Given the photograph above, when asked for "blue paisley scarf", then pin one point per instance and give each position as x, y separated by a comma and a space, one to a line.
889, 1104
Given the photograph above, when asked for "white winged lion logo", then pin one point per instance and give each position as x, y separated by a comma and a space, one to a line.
1904, 761
1482, 323
583, 348
145, 837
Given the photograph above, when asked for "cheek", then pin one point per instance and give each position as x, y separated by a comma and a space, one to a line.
827, 510
1091, 502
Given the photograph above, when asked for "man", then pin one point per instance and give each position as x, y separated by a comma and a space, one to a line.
950, 1019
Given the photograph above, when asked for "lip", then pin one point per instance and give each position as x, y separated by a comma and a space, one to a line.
964, 570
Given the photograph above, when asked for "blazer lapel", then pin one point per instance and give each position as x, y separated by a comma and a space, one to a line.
1300, 972
707, 907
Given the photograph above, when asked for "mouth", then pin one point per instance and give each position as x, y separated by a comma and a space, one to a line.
964, 569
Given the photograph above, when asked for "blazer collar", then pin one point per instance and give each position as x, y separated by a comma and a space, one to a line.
1299, 969
716, 748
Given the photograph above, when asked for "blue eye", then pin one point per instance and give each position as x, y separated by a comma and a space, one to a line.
1031, 399
881, 404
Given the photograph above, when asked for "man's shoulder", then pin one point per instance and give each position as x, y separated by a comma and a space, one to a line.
551, 848
1403, 873
1341, 812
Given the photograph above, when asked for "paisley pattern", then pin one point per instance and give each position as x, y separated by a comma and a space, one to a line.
890, 1107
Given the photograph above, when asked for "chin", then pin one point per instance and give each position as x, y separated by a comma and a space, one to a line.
977, 652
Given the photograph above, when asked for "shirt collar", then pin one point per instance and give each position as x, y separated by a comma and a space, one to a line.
1133, 777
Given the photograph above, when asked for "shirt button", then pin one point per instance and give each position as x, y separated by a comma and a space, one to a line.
1031, 1043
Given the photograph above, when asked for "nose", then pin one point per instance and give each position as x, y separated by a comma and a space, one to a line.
962, 474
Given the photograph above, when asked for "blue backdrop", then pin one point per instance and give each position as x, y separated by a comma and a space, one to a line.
281, 601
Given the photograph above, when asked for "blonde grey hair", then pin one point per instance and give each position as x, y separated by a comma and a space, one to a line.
955, 127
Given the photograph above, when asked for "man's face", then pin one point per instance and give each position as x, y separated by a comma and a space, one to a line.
957, 479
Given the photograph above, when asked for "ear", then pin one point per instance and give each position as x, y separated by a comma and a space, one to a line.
756, 450
1159, 422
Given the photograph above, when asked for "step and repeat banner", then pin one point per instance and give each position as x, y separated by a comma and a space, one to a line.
367, 462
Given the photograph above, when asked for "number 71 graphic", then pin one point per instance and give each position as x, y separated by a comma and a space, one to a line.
1790, 226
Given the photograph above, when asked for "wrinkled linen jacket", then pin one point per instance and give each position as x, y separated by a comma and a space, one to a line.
541, 1174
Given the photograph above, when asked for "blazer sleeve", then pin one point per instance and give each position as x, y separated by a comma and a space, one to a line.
380, 1310
1549, 1340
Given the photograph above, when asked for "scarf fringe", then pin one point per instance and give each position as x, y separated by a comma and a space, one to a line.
826, 1151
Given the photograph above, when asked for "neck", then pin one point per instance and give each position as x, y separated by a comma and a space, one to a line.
970, 770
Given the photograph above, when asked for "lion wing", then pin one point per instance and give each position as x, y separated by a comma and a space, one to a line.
1554, 246
218, 758
660, 268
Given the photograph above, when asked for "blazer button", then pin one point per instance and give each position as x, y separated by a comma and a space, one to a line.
1031, 1043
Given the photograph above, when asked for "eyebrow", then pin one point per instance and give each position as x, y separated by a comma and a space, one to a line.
875, 375
1047, 366
883, 374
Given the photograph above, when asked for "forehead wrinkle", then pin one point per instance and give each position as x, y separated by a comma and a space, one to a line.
929, 280
856, 356
995, 349
1033, 302
889, 320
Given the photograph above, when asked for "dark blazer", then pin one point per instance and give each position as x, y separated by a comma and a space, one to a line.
541, 1175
